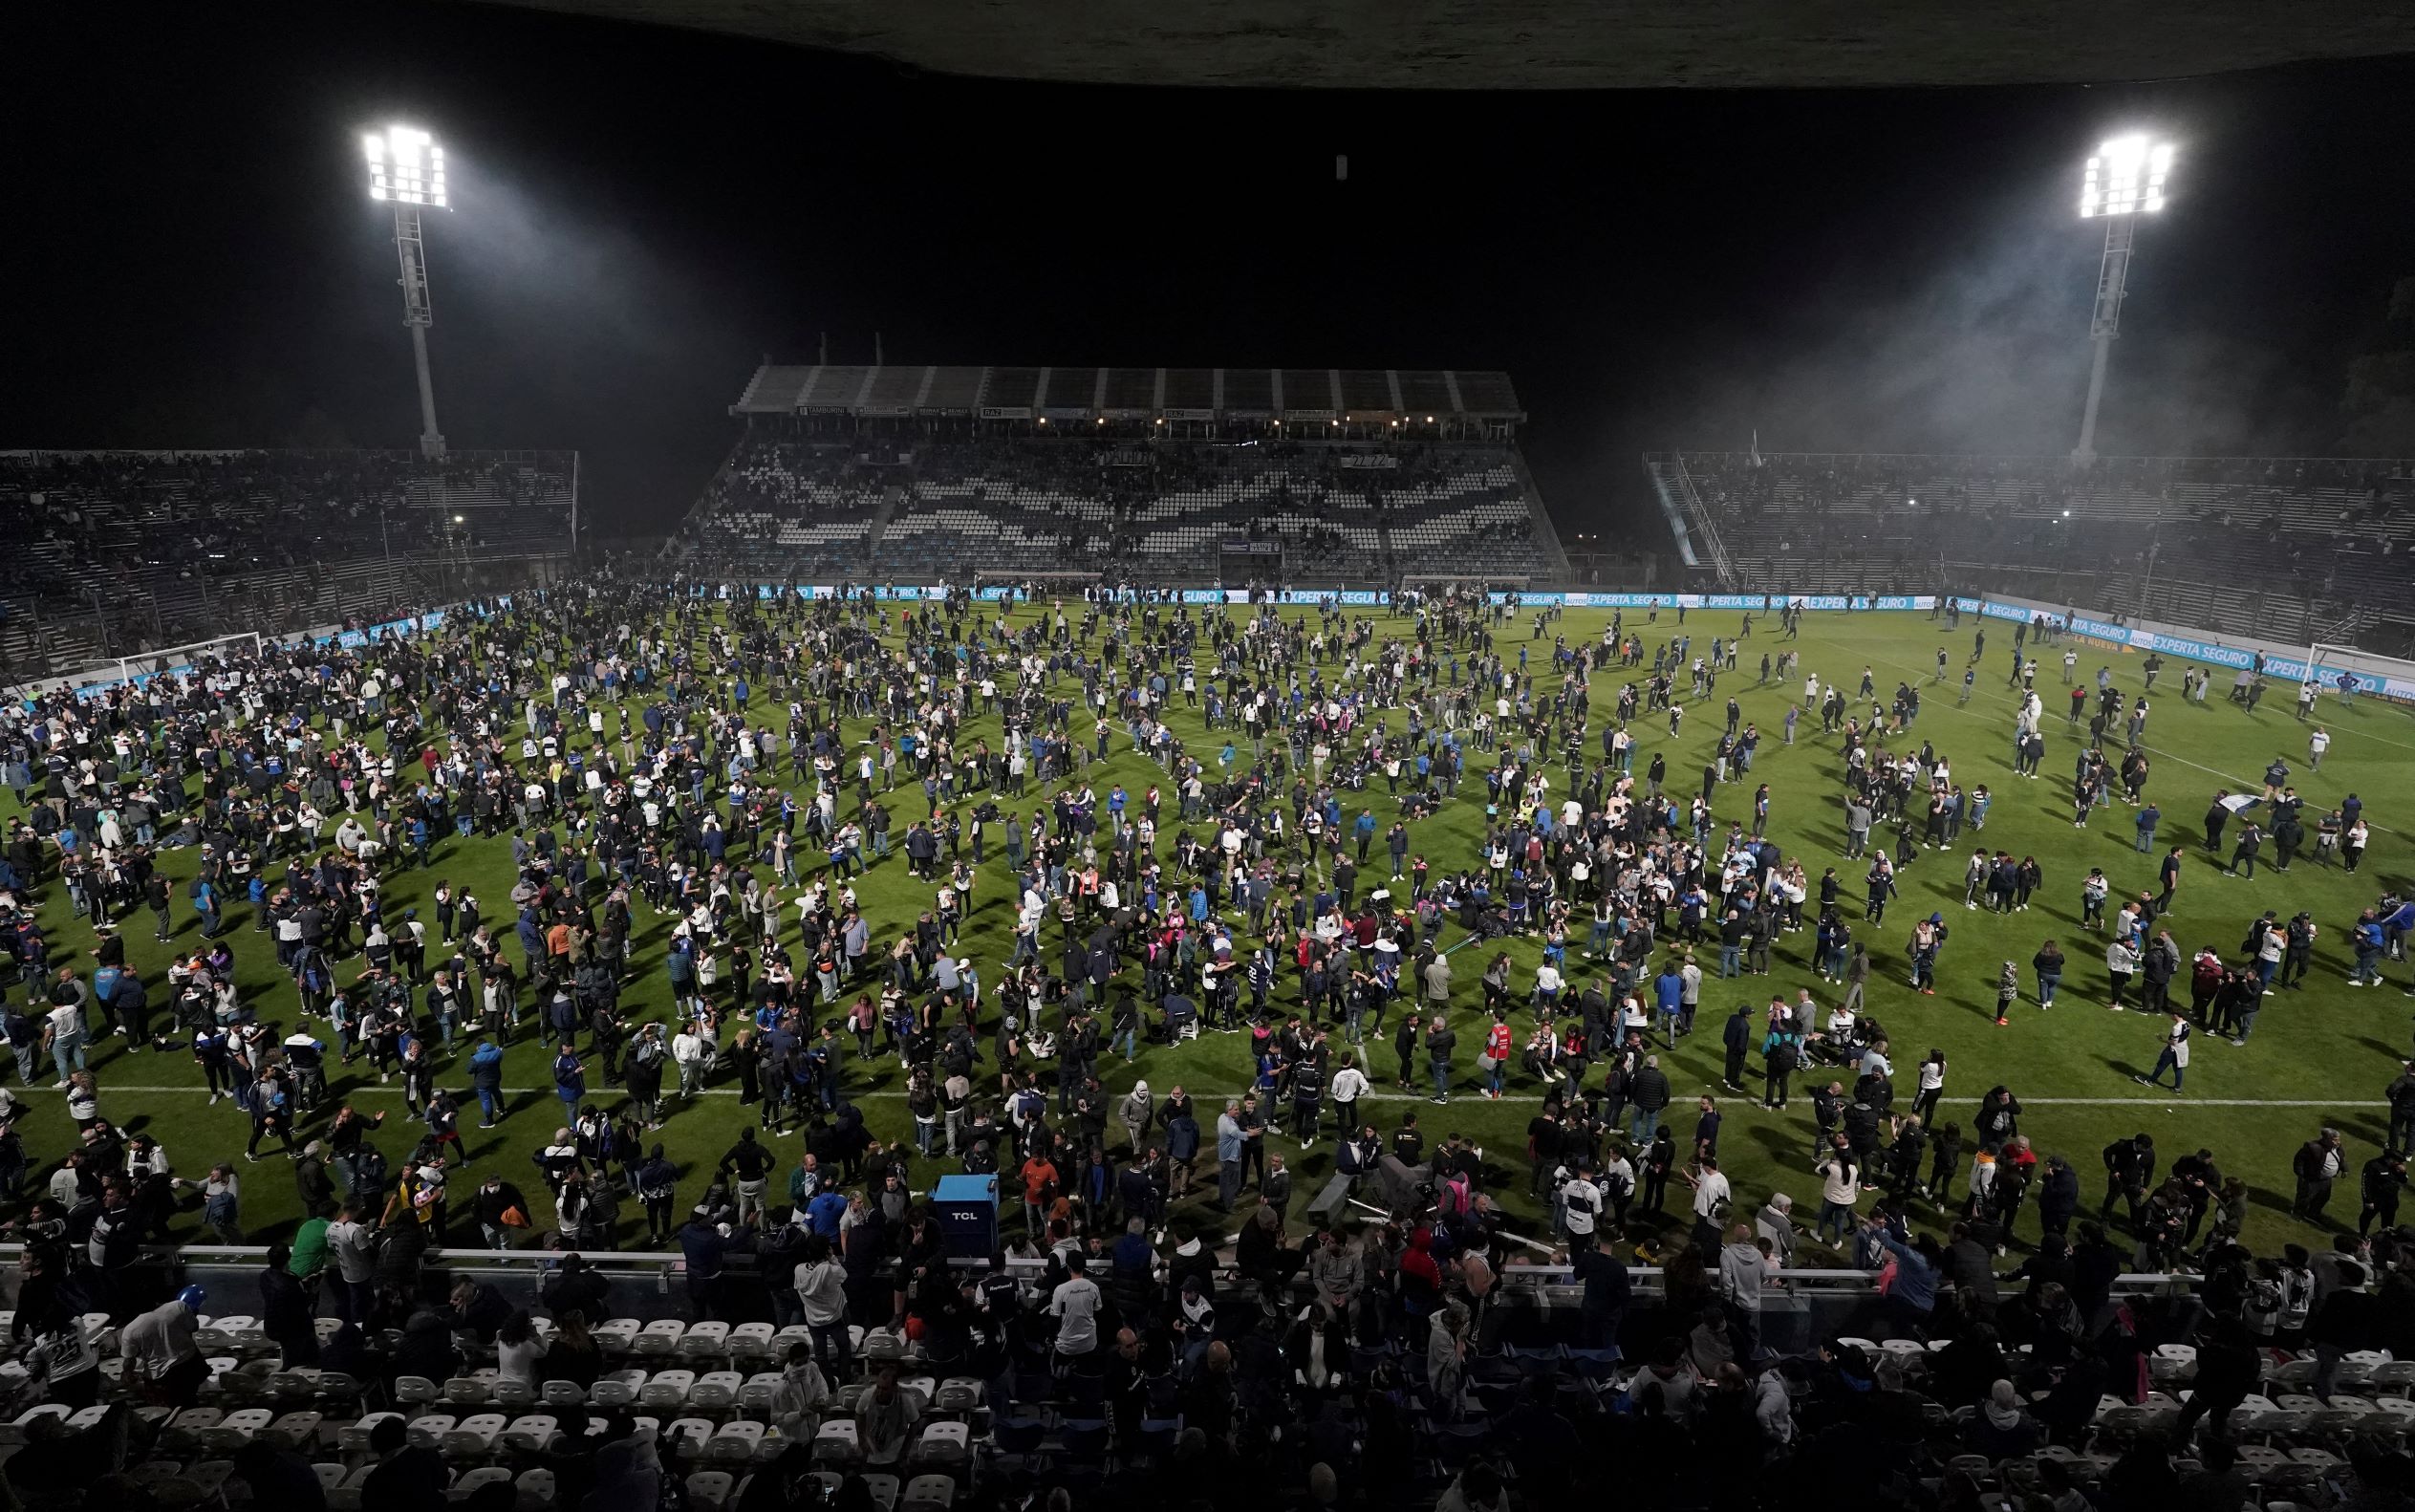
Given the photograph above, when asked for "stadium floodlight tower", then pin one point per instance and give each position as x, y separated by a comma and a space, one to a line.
406, 169
2123, 181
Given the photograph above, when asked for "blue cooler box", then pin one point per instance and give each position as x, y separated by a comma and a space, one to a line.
967, 1210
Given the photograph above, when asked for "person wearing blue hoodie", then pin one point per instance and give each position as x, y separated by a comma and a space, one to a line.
486, 1078
1913, 1294
707, 1246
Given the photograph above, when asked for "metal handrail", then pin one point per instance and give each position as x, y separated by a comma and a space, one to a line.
1517, 1275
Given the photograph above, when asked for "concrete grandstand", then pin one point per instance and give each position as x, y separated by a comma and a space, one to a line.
1311, 476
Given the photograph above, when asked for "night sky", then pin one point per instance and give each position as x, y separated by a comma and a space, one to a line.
641, 215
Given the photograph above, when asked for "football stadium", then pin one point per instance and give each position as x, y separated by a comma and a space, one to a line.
1007, 933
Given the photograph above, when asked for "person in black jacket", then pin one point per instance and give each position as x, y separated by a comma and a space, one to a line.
752, 1164
1647, 1091
427, 1348
2349, 1317
2401, 1093
2129, 1169
1778, 1064
1736, 1038
2228, 1369
494, 1198
480, 1308
1827, 1117
2058, 1197
2384, 1179
285, 1310
2318, 1163
1440, 1040
574, 1285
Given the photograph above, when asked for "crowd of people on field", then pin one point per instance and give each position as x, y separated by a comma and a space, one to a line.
725, 770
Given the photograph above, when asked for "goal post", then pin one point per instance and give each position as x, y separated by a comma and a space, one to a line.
2369, 673
174, 659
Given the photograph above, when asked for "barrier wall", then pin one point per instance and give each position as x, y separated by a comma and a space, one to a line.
2239, 653
2146, 635
348, 640
1755, 602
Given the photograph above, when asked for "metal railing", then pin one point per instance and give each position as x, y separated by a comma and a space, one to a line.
2029, 461
650, 1266
1703, 524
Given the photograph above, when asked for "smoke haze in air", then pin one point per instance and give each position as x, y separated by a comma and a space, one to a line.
642, 215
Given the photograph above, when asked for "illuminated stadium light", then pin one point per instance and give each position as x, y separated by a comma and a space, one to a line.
406, 173
407, 166
2126, 177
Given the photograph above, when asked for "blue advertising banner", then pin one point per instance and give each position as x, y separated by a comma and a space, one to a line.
2197, 650
2099, 629
1591, 600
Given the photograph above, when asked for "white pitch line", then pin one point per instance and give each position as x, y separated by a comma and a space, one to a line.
1466, 1099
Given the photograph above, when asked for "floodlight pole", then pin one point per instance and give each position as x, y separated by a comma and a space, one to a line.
416, 315
2113, 277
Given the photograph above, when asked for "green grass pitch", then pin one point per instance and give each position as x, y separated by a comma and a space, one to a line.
2320, 1055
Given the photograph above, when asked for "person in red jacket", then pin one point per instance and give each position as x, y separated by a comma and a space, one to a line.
1498, 1045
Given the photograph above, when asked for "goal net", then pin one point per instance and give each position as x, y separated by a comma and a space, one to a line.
2345, 672
144, 665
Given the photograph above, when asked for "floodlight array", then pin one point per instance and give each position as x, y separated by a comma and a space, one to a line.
2126, 177
407, 166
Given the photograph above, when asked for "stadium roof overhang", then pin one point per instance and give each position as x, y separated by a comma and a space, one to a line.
1556, 44
1334, 396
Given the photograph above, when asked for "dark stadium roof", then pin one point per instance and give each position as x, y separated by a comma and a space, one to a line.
1078, 393
1557, 44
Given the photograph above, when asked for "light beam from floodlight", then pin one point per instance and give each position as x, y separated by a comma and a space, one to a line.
2126, 179
406, 169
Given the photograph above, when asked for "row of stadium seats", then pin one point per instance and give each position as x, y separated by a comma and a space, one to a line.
787, 503
486, 1450
220, 514
2338, 532
117, 551
719, 1426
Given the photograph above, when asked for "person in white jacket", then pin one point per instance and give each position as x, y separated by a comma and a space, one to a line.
1349, 1085
822, 1291
693, 1054
2121, 964
802, 1393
